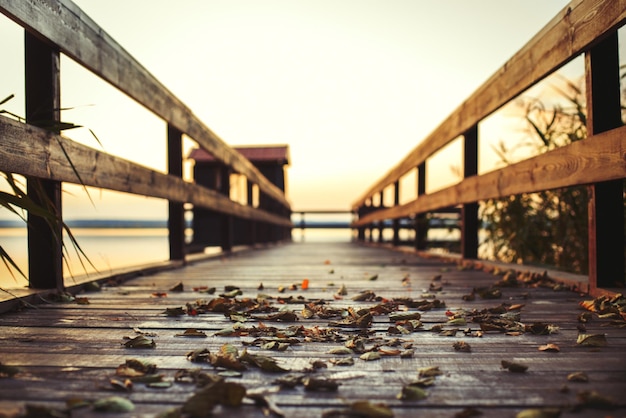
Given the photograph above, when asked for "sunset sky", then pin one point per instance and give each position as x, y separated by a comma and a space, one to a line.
351, 85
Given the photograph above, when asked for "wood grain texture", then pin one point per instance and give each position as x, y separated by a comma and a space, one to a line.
64, 24
35, 152
69, 350
572, 31
598, 158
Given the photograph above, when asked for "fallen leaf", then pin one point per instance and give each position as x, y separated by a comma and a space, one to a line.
115, 404
550, 347
340, 351
578, 377
125, 386
539, 413
592, 340
317, 384
404, 316
370, 356
346, 361
178, 288
370, 410
593, 399
159, 385
267, 364
514, 367
343, 291
412, 393
177, 311
134, 368
468, 413
82, 300
387, 352
140, 342
462, 346
429, 371
192, 332
219, 392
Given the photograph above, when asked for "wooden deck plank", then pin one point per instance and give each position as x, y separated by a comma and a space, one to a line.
67, 349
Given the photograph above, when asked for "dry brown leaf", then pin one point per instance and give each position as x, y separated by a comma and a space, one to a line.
514, 367
592, 340
553, 348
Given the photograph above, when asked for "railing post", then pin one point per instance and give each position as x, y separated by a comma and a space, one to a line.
421, 221
176, 216
396, 221
381, 223
606, 199
43, 104
253, 236
226, 223
361, 229
469, 213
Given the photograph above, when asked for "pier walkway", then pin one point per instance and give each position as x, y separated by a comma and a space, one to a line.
422, 336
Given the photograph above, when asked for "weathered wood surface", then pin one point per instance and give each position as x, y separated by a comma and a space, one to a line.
66, 25
36, 152
573, 30
71, 350
595, 159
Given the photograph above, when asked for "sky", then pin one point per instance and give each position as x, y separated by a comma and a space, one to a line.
350, 85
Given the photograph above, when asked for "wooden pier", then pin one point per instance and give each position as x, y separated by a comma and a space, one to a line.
70, 352
364, 329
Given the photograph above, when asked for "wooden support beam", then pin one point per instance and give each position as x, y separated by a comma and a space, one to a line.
43, 104
381, 224
226, 221
469, 212
421, 222
176, 216
396, 221
606, 201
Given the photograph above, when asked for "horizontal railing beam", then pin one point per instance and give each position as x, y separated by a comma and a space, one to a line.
64, 24
595, 159
573, 30
33, 151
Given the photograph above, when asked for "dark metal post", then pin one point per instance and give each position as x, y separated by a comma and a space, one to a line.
469, 213
176, 217
606, 199
43, 104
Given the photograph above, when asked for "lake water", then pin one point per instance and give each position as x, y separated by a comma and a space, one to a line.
112, 248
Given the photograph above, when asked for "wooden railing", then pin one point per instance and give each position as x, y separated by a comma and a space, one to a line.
586, 27
42, 154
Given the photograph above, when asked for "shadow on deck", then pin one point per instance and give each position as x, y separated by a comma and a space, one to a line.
69, 351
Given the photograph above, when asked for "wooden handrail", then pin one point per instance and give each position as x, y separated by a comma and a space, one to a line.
48, 159
65, 25
586, 27
575, 28
35, 152
598, 158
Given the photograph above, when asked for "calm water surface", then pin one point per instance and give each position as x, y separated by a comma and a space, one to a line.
106, 248
112, 248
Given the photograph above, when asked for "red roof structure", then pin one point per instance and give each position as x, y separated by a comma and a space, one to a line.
254, 153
